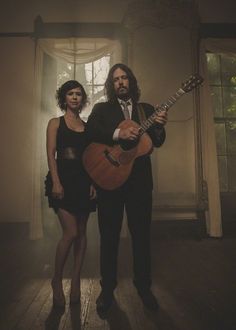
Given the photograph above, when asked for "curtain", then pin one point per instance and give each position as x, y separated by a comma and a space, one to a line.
36, 228
80, 50
209, 153
71, 50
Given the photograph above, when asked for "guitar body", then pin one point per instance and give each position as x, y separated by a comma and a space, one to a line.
110, 166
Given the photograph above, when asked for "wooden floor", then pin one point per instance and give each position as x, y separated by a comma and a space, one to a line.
194, 279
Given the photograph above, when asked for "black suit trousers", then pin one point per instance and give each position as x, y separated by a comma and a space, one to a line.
138, 206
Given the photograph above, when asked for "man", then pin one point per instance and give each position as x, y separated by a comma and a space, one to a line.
135, 194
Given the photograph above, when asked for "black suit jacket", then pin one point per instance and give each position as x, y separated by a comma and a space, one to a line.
102, 122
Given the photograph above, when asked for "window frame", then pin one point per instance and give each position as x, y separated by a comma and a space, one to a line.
225, 120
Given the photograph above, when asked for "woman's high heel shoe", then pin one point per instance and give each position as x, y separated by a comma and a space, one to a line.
59, 299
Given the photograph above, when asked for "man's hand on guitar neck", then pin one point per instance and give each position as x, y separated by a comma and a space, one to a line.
161, 118
129, 133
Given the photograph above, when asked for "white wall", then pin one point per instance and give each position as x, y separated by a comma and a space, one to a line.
16, 58
162, 60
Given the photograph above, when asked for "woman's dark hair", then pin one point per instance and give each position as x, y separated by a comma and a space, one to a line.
61, 94
133, 85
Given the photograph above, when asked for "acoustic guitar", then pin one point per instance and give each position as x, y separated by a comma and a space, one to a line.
110, 166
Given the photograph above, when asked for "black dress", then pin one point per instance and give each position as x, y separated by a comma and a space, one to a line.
73, 177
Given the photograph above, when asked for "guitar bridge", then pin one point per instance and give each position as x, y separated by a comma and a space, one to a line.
111, 159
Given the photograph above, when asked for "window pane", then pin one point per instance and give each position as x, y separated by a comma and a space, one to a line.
95, 93
89, 73
80, 74
222, 166
220, 139
228, 70
217, 101
99, 94
232, 173
231, 137
101, 68
229, 101
89, 91
213, 62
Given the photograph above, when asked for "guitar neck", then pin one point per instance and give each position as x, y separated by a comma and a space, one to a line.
163, 107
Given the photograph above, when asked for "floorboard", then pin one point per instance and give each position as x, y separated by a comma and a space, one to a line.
193, 278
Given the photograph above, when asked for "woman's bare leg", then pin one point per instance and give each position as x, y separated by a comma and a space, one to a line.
69, 233
79, 247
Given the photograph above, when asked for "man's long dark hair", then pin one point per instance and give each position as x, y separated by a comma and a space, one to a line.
134, 90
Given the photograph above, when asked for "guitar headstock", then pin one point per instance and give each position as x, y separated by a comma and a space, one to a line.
193, 81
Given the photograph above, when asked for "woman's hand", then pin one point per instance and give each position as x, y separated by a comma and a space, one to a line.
57, 191
93, 193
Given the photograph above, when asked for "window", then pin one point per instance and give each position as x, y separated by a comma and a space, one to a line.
222, 77
87, 60
91, 75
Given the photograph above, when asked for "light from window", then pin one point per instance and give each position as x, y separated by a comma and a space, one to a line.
222, 76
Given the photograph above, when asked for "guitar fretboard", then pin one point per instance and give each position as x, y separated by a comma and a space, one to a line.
163, 107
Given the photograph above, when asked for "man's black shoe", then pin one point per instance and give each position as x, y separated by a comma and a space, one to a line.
149, 300
104, 302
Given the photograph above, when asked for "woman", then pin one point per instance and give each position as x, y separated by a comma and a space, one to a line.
68, 186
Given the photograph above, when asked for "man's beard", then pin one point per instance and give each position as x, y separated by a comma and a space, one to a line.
123, 93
